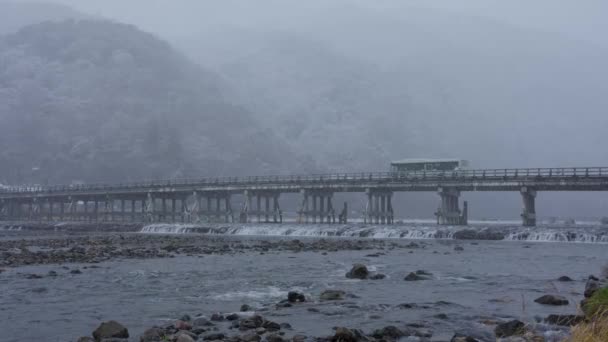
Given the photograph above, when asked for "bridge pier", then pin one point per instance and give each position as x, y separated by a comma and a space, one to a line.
529, 210
449, 213
266, 209
317, 204
379, 208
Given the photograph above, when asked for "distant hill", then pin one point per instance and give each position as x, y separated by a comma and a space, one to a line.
100, 101
15, 15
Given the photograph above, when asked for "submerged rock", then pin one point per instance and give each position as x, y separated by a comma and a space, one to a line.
332, 295
111, 329
414, 277
551, 300
510, 328
359, 271
564, 278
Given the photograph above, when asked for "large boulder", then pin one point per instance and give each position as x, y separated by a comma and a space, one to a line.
510, 328
551, 300
110, 329
332, 295
359, 271
593, 284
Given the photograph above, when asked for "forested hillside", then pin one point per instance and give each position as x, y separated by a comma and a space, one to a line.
100, 101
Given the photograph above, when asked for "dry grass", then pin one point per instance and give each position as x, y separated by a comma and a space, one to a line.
596, 330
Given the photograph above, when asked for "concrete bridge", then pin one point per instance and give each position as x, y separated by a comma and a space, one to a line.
211, 199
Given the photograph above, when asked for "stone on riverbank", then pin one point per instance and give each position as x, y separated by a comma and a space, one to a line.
359, 271
552, 300
110, 329
152, 335
463, 338
510, 328
564, 278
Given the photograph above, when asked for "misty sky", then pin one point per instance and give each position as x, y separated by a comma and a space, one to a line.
585, 20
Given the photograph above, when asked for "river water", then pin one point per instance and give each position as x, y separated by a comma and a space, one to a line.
487, 280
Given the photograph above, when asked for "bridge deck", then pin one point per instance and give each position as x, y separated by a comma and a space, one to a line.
541, 179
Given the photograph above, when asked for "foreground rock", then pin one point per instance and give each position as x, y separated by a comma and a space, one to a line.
111, 329
511, 328
551, 300
463, 338
359, 271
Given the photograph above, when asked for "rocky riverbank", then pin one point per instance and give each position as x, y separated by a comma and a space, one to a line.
103, 247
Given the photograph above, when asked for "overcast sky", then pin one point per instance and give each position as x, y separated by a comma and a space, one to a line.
584, 19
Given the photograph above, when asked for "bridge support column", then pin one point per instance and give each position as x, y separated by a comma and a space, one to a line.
244, 214
310, 210
529, 211
379, 208
343, 217
449, 213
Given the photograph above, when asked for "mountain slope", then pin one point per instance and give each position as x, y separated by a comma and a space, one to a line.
100, 101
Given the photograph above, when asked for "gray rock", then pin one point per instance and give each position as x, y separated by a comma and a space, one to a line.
332, 295
388, 333
250, 337
232, 317
85, 339
184, 338
271, 326
294, 297
564, 278
551, 300
377, 276
152, 335
274, 338
201, 322
298, 338
510, 328
245, 308
251, 322
214, 337
463, 338
344, 335
111, 329
414, 277
359, 271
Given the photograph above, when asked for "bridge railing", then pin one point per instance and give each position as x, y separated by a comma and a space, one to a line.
388, 177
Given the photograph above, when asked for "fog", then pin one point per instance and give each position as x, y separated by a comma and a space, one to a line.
324, 86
